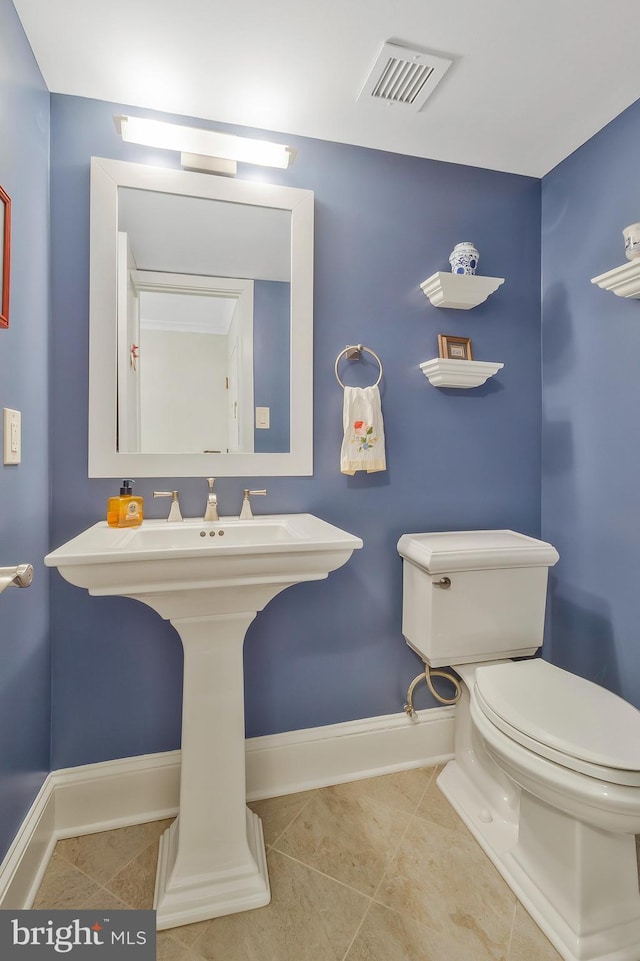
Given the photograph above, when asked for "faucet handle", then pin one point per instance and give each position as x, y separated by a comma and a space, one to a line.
246, 514
175, 513
211, 481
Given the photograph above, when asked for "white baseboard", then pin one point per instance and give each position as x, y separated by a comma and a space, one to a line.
27, 858
112, 794
315, 757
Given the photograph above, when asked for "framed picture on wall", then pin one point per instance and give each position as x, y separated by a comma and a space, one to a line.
454, 348
5, 256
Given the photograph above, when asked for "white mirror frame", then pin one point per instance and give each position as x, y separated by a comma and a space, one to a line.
104, 459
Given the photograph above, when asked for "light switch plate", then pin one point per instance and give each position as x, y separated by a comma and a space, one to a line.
12, 439
262, 418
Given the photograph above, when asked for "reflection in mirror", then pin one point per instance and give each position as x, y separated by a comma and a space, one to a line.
186, 378
188, 399
201, 288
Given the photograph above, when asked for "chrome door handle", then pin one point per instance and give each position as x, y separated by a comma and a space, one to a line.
19, 576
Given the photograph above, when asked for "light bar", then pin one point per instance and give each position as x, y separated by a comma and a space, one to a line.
206, 143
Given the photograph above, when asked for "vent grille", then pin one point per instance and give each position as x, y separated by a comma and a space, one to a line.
404, 76
401, 81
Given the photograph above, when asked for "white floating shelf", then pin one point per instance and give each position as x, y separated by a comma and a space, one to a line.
444, 372
623, 281
462, 291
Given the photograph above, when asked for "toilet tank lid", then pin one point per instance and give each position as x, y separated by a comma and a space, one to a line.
440, 552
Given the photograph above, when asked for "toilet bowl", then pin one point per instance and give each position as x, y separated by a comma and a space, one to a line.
546, 772
562, 834
570, 726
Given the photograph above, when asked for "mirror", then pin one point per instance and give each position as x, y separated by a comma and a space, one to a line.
201, 297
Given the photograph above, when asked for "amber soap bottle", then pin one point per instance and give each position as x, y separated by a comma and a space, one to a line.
126, 510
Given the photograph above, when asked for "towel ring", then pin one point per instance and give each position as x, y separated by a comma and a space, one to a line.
355, 355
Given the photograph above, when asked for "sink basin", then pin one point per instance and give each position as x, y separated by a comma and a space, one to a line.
256, 535
162, 557
274, 531
209, 579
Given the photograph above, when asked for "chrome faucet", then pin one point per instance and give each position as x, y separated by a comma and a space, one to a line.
175, 514
211, 512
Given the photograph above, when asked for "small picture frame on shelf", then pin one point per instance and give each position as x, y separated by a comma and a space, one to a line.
454, 348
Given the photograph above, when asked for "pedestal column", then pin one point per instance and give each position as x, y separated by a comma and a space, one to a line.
212, 859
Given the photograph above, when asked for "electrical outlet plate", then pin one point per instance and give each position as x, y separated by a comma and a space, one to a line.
12, 440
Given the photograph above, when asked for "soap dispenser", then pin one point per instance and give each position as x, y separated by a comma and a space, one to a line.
126, 509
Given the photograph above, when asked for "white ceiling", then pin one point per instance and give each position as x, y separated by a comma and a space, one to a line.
532, 80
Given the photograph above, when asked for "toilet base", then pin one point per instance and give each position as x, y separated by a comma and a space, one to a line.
579, 884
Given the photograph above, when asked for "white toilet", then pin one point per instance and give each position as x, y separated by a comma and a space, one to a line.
546, 773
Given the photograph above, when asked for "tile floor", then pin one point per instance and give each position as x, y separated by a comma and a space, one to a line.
375, 870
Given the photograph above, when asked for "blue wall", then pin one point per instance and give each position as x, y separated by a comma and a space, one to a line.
271, 348
24, 489
332, 650
591, 399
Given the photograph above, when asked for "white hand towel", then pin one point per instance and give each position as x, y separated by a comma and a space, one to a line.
363, 442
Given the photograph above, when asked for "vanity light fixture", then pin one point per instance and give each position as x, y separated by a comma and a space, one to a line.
207, 150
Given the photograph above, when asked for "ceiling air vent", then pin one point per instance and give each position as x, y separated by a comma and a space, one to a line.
402, 76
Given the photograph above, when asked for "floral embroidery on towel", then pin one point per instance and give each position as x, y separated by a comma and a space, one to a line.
363, 435
362, 445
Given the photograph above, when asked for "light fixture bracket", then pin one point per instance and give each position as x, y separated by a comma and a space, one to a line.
208, 165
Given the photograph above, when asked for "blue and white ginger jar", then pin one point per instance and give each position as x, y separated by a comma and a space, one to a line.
464, 259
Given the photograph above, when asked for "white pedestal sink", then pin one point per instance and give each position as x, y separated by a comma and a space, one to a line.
209, 580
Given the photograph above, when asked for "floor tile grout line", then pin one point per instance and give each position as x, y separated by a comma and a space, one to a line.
390, 860
407, 917
513, 924
357, 931
409, 815
90, 878
367, 897
427, 927
122, 868
75, 868
194, 945
426, 787
322, 874
104, 885
411, 819
293, 820
273, 844
191, 948
111, 894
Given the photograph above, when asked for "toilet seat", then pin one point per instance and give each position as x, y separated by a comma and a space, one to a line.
562, 717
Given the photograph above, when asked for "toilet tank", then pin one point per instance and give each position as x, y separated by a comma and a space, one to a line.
474, 595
